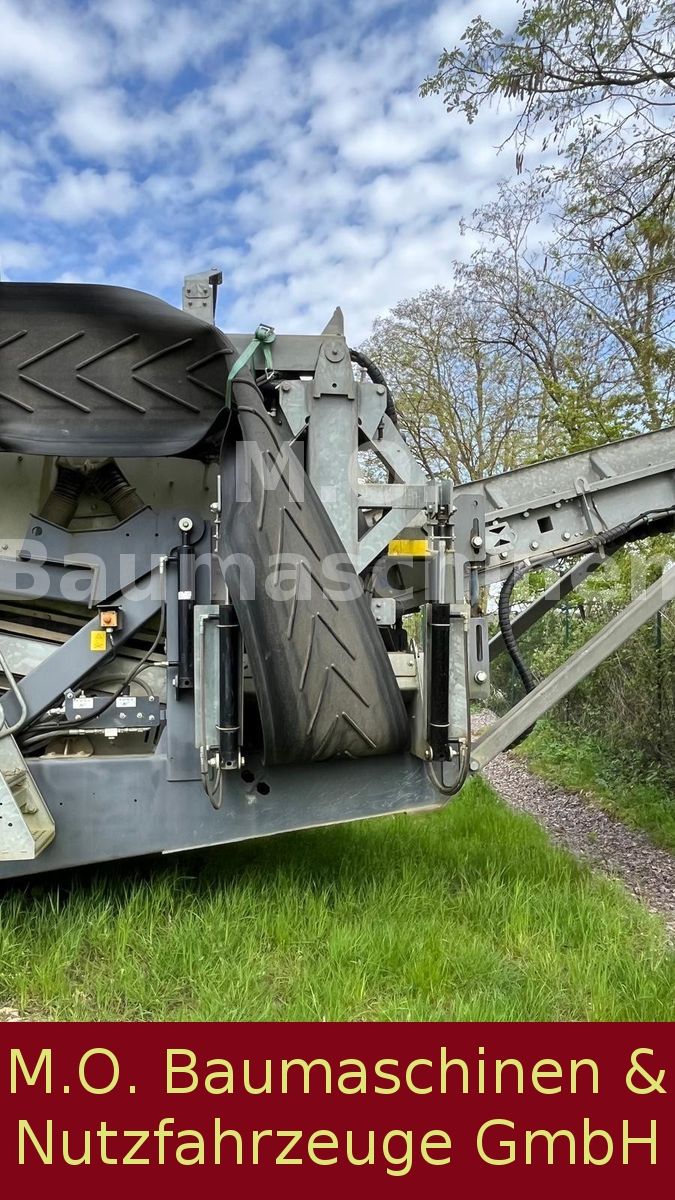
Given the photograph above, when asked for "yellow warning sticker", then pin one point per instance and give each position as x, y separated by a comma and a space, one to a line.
98, 640
409, 548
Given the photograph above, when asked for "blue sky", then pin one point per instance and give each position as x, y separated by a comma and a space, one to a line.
283, 141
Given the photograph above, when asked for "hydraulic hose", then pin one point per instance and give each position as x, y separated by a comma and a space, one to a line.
618, 534
504, 614
375, 374
607, 537
512, 647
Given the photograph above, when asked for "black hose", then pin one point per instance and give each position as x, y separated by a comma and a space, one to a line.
618, 535
374, 373
504, 613
512, 647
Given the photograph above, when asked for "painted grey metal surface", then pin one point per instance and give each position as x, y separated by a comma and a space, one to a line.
293, 353
116, 556
165, 485
384, 611
200, 294
38, 579
182, 755
479, 660
24, 654
342, 417
393, 451
16, 839
207, 680
126, 713
106, 811
332, 439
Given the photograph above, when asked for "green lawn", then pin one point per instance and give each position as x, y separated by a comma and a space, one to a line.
465, 914
623, 787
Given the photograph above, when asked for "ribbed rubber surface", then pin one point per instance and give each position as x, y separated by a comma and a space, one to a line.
94, 370
323, 679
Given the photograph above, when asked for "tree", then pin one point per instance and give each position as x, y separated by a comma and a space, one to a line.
466, 405
626, 283
586, 74
594, 316
521, 287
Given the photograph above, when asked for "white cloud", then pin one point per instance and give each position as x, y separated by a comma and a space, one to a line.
83, 195
296, 155
447, 24
100, 124
44, 47
397, 140
126, 17
433, 190
16, 168
17, 256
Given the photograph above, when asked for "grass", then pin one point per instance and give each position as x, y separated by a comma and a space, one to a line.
468, 914
580, 762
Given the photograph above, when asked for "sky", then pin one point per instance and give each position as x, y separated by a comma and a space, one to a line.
282, 141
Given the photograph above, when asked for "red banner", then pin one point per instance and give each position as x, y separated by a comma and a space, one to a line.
524, 1109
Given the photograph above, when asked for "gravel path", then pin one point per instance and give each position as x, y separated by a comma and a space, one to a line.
10, 1014
606, 844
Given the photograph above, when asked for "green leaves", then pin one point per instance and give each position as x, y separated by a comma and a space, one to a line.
585, 74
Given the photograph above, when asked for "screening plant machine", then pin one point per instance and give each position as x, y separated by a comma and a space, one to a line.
212, 551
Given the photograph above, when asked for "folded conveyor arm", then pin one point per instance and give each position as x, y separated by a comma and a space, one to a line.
588, 503
566, 506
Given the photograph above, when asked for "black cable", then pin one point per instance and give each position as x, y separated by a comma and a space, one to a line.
509, 637
129, 678
606, 537
47, 732
46, 736
374, 373
622, 533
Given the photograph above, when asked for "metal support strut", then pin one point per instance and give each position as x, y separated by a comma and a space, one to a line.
560, 682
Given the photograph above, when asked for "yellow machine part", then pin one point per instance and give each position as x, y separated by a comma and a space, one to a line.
409, 548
